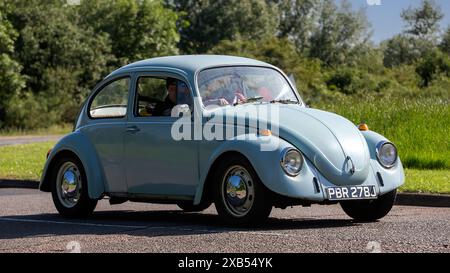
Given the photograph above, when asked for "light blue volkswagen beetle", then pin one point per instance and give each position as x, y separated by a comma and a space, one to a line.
193, 130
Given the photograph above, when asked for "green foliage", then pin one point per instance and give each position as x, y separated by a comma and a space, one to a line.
60, 60
423, 22
402, 49
445, 43
419, 37
10, 79
297, 20
65, 50
137, 29
210, 22
339, 33
433, 65
342, 79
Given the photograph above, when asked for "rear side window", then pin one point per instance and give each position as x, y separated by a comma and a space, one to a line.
111, 101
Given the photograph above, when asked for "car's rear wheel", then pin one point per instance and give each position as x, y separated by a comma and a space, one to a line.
370, 210
239, 195
190, 207
69, 189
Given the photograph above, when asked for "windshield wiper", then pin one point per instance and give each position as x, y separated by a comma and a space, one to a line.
285, 101
248, 100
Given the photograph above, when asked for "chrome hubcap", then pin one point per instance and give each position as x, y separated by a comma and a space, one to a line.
69, 184
238, 191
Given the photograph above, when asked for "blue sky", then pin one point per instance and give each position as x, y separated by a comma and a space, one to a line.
385, 18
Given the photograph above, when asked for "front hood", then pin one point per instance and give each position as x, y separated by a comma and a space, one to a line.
334, 144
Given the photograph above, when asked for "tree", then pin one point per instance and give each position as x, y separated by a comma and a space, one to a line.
210, 22
138, 29
339, 32
423, 22
433, 64
445, 43
418, 38
60, 60
402, 49
297, 20
10, 79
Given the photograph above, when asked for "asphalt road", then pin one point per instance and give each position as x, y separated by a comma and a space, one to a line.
29, 223
14, 140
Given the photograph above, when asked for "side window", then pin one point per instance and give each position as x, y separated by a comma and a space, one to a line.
111, 101
158, 96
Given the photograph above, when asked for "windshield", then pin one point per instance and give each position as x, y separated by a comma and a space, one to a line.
233, 85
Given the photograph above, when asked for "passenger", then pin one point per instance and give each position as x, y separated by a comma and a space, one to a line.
230, 93
265, 93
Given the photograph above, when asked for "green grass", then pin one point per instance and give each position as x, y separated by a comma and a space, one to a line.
427, 181
53, 130
420, 128
23, 162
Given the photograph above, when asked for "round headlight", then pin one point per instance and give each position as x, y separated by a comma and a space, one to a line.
291, 161
386, 154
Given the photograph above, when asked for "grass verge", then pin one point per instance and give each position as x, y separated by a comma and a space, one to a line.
427, 181
420, 128
53, 130
24, 162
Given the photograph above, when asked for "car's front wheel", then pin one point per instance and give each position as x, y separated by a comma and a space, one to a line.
69, 189
239, 195
370, 210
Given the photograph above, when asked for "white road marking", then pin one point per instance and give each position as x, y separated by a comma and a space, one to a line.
69, 223
150, 227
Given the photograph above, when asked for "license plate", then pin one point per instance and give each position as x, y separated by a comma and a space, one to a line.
352, 192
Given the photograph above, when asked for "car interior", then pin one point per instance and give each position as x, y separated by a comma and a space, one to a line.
152, 91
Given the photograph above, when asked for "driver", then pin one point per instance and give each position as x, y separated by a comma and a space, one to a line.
164, 108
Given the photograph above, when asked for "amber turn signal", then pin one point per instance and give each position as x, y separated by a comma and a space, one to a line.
265, 132
363, 127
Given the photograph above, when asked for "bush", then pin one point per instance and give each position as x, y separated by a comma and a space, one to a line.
433, 65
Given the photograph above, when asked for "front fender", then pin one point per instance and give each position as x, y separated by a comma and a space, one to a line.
392, 178
266, 164
78, 144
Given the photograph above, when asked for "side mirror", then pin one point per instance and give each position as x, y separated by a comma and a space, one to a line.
180, 110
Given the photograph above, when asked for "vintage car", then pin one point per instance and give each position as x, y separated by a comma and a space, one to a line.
202, 129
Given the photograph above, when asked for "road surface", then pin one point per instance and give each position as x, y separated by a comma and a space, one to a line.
29, 223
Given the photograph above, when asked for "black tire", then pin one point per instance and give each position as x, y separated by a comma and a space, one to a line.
190, 207
84, 206
370, 210
261, 206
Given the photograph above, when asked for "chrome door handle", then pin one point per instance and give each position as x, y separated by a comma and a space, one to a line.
132, 129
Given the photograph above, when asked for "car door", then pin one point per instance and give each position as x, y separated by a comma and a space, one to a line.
107, 112
156, 164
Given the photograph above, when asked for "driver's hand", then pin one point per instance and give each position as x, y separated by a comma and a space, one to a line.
240, 96
223, 102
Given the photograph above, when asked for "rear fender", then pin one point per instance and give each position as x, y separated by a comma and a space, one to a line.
79, 145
